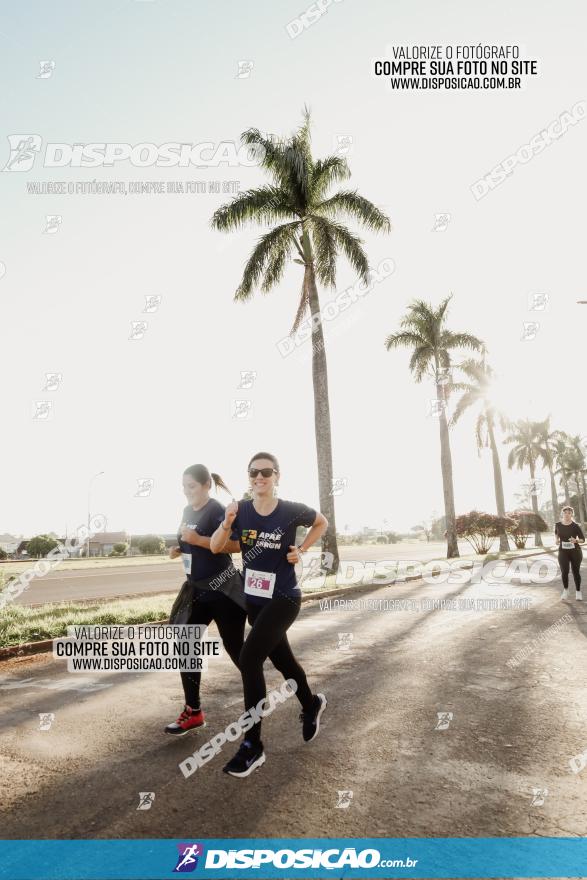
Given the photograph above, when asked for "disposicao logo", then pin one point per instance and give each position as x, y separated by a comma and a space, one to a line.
187, 860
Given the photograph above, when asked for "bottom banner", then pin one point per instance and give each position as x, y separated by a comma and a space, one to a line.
287, 858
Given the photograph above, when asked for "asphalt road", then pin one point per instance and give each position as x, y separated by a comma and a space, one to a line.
62, 585
498, 766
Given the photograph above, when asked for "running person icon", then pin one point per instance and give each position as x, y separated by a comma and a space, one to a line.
569, 536
199, 600
266, 528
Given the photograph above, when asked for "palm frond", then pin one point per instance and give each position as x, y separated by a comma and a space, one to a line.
266, 204
325, 173
360, 209
461, 340
325, 250
352, 248
403, 339
420, 361
267, 256
462, 405
273, 155
481, 432
303, 304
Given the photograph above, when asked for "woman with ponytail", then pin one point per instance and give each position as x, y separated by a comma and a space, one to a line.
213, 590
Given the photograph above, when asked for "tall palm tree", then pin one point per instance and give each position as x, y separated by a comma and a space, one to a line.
304, 227
574, 464
424, 330
477, 392
578, 452
561, 447
525, 453
548, 448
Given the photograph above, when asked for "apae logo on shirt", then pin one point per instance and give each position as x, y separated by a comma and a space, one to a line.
249, 536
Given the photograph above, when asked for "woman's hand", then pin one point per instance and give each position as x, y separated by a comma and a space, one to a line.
190, 536
174, 552
221, 536
295, 555
230, 513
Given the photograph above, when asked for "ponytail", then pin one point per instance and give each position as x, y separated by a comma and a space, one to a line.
219, 483
202, 475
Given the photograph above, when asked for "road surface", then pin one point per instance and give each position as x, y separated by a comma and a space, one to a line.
498, 765
61, 585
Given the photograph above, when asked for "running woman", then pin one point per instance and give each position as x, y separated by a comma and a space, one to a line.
266, 527
222, 604
569, 536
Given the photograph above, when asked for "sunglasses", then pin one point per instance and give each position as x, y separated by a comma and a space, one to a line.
265, 472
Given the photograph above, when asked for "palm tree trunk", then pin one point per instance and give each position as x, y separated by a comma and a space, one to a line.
322, 419
553, 495
580, 499
566, 486
497, 482
537, 535
452, 547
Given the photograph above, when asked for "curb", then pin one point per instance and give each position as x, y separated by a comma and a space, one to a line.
28, 649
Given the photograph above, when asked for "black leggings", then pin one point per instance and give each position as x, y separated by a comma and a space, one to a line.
572, 558
268, 638
230, 620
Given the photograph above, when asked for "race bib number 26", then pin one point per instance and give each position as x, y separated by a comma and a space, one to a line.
260, 583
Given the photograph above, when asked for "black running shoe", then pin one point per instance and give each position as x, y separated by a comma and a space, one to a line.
248, 758
311, 720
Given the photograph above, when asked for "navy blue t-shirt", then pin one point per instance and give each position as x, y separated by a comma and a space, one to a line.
199, 562
265, 543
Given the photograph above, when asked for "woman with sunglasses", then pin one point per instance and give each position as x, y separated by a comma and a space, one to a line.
569, 536
201, 600
266, 528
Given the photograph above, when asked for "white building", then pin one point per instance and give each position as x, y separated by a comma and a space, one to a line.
9, 543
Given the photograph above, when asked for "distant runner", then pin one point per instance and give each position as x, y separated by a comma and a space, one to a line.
569, 535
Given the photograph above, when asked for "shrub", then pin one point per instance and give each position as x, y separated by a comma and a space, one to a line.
40, 545
151, 545
480, 529
523, 524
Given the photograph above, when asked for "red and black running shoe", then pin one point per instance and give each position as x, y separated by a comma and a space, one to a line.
188, 720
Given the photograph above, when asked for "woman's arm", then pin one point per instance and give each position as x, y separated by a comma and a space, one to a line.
189, 536
221, 537
581, 537
174, 552
315, 532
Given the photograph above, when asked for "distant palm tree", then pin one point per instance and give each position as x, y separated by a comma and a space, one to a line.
526, 452
548, 449
577, 446
561, 447
478, 392
574, 464
424, 330
304, 221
